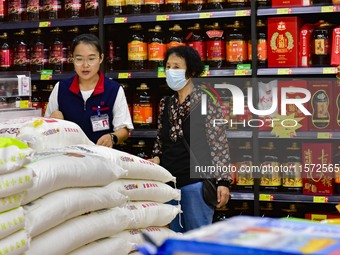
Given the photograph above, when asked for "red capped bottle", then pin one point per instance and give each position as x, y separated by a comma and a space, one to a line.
196, 40
215, 46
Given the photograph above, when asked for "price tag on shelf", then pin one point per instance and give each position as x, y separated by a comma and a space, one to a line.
24, 104
240, 72
205, 15
324, 135
242, 13
281, 11
266, 197
327, 8
318, 217
44, 24
45, 77
320, 199
284, 71
162, 17
161, 74
120, 20
124, 75
329, 70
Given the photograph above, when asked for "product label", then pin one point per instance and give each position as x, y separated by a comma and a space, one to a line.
244, 175
15, 7
200, 47
282, 43
215, 1
236, 51
262, 49
321, 46
156, 51
33, 6
269, 175
155, 2
91, 4
292, 178
195, 1
20, 55
6, 58
56, 54
2, 9
215, 33
215, 50
174, 44
137, 50
250, 50
134, 2
52, 6
174, 1
142, 113
320, 104
72, 5
112, 3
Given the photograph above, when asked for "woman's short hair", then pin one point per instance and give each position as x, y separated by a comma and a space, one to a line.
90, 39
192, 59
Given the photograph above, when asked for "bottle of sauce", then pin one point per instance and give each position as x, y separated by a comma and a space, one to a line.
156, 48
243, 208
115, 7
195, 5
262, 57
141, 150
137, 48
238, 3
91, 8
236, 45
320, 109
291, 176
174, 5
270, 173
16, 10
73, 8
36, 98
56, 51
322, 45
336, 160
37, 52
292, 212
6, 53
33, 9
21, 59
143, 107
71, 34
215, 46
176, 37
216, 4
3, 10
196, 40
153, 6
52, 9
134, 6
244, 175
267, 210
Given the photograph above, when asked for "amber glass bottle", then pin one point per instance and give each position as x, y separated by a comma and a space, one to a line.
33, 9
16, 10
91, 8
195, 5
196, 40
174, 5
215, 46
322, 44
56, 51
134, 6
238, 3
20, 58
73, 8
143, 108
175, 37
6, 53
137, 48
94, 30
156, 48
153, 6
216, 4
52, 9
115, 7
236, 44
37, 52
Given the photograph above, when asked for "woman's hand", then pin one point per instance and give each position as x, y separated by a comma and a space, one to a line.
57, 115
155, 160
223, 195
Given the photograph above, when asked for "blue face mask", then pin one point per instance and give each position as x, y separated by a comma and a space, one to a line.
175, 78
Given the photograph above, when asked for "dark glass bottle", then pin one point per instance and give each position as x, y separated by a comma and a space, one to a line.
153, 6
175, 37
6, 53
94, 30
137, 48
322, 2
292, 212
73, 8
267, 210
141, 150
195, 5
115, 7
196, 40
174, 5
33, 9
215, 46
71, 34
52, 9
37, 52
216, 4
20, 57
244, 175
36, 100
322, 44
134, 6
237, 3
91, 8
270, 175
16, 10
3, 10
56, 51
110, 56
320, 109
156, 48
262, 57
143, 116
291, 176
263, 3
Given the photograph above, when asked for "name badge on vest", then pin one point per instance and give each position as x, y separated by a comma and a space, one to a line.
100, 123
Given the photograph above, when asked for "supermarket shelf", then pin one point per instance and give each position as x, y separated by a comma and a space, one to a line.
52, 77
297, 71
239, 134
143, 133
303, 135
283, 197
242, 195
206, 14
298, 10
84, 21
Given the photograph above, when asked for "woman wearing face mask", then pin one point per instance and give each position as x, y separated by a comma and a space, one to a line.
96, 103
179, 114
